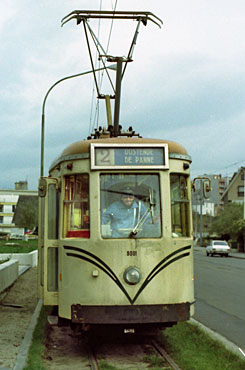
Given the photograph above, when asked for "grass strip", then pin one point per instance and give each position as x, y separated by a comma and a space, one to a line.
37, 348
192, 349
156, 363
19, 246
103, 365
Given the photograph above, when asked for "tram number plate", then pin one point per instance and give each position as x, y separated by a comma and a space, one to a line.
131, 253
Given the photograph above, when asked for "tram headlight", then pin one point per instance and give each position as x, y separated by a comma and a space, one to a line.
132, 275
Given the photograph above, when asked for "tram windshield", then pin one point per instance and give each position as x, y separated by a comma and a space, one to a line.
130, 206
180, 206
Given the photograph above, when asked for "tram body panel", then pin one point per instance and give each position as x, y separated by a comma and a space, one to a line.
90, 266
85, 284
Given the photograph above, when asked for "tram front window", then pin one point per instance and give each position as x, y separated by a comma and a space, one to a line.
76, 206
130, 206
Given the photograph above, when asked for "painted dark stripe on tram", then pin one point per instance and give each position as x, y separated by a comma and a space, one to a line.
147, 280
94, 260
115, 279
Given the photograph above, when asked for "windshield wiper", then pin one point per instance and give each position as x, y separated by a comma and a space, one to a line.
143, 219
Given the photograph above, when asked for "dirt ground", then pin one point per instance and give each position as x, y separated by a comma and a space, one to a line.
15, 320
64, 351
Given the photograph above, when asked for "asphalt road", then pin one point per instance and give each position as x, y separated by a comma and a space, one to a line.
220, 295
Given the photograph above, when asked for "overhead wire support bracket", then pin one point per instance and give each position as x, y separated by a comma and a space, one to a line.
83, 16
79, 15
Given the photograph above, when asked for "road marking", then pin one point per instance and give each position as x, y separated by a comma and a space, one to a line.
242, 351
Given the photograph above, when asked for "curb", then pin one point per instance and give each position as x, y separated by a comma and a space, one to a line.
238, 257
225, 342
23, 269
232, 254
25, 345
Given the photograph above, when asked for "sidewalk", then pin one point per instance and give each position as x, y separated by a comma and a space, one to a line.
233, 252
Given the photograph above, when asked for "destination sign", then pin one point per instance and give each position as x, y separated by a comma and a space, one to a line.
125, 156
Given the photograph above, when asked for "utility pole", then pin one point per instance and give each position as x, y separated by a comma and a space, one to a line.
243, 169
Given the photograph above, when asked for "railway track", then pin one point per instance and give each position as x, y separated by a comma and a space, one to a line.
65, 351
168, 361
165, 355
92, 359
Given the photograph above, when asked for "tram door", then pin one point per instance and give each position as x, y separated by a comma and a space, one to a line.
48, 240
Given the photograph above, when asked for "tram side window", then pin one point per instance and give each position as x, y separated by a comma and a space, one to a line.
53, 212
180, 206
130, 206
76, 206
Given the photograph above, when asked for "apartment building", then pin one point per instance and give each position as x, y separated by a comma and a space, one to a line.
8, 203
213, 201
235, 190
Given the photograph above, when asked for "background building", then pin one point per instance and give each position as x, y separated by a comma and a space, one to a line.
235, 190
213, 201
8, 204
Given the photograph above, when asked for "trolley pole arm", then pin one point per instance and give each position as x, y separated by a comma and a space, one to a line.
117, 96
130, 53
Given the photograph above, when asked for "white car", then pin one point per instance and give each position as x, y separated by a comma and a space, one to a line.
218, 247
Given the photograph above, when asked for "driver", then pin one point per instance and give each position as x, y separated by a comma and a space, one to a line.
124, 214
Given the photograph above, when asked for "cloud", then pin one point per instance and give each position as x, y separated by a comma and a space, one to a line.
186, 82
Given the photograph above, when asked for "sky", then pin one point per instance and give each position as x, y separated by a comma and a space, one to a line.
186, 82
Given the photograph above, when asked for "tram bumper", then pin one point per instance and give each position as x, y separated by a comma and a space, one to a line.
137, 314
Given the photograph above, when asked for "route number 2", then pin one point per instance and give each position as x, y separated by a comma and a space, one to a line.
104, 157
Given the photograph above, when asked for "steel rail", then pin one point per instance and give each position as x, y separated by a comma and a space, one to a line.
92, 359
165, 355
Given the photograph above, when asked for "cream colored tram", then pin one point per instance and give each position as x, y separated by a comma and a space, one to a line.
136, 277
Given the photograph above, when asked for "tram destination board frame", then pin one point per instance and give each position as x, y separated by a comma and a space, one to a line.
129, 156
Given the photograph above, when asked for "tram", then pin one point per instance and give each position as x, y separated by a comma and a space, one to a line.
115, 233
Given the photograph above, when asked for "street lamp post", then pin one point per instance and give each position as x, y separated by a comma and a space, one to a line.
201, 204
243, 192
243, 169
44, 103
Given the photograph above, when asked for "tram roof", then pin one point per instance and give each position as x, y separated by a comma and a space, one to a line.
83, 147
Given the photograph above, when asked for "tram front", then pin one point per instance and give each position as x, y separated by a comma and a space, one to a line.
122, 249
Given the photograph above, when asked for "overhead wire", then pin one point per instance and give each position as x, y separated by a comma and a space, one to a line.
91, 127
96, 114
222, 169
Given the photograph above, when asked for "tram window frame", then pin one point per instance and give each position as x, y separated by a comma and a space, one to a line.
76, 197
53, 212
52, 274
180, 206
151, 226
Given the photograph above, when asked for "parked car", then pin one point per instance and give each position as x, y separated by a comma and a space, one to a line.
219, 247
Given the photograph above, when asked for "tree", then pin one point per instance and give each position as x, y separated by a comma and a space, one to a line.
26, 214
229, 223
